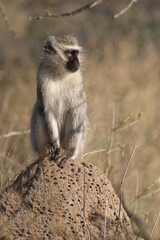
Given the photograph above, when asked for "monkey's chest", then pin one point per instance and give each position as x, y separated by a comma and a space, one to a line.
59, 107
58, 99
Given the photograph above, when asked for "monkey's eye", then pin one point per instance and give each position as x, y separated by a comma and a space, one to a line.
71, 53
68, 53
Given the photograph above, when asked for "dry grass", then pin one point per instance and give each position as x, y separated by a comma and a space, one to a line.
122, 68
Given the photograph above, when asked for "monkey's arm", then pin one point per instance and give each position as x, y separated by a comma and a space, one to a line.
44, 102
76, 124
52, 126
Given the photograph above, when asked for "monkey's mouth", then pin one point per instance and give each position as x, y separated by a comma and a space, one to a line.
72, 66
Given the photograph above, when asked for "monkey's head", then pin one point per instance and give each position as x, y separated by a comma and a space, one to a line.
62, 54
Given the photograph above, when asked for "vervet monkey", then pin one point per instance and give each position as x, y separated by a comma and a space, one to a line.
59, 115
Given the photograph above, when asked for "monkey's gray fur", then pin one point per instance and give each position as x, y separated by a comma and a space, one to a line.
59, 115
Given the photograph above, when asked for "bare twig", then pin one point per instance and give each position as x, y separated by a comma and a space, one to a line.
113, 130
140, 114
107, 161
100, 150
124, 176
122, 184
137, 221
112, 133
14, 133
93, 152
81, 9
119, 126
137, 190
150, 194
125, 9
84, 219
154, 226
105, 221
147, 191
72, 13
5, 18
84, 190
11, 161
128, 125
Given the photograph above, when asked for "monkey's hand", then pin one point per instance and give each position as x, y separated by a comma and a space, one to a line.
60, 156
49, 149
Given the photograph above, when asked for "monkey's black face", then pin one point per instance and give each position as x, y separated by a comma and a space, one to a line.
72, 64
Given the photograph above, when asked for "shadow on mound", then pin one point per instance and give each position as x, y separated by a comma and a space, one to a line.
61, 200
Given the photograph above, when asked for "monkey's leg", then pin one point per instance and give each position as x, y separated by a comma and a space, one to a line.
39, 136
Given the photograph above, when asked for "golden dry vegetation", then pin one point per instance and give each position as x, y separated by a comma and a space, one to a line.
121, 79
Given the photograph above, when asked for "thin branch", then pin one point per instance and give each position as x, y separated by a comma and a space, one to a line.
116, 149
12, 161
107, 161
5, 18
154, 226
148, 189
100, 150
112, 134
147, 192
84, 219
93, 152
14, 133
137, 221
128, 126
129, 161
84, 190
81, 9
105, 221
125, 120
122, 184
150, 194
72, 13
113, 130
125, 9
137, 190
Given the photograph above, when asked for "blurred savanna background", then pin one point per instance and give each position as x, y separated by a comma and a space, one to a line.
122, 84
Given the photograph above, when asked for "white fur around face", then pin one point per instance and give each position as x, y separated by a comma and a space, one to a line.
61, 48
70, 47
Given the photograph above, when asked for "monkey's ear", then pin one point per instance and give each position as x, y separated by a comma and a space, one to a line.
48, 48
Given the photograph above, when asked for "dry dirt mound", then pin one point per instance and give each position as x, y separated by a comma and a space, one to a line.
46, 200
